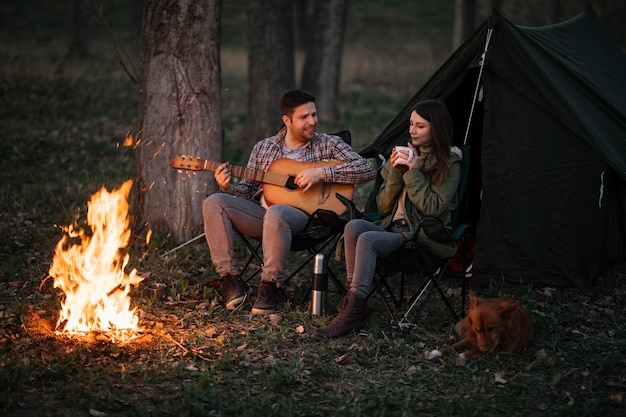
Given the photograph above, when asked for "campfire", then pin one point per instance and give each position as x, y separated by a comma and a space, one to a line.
89, 266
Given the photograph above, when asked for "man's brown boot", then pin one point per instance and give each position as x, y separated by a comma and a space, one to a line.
353, 312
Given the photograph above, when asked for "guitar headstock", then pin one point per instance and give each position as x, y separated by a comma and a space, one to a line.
188, 162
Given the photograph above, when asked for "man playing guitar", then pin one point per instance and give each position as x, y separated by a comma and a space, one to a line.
253, 212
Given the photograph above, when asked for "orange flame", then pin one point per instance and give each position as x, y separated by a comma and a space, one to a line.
92, 274
128, 140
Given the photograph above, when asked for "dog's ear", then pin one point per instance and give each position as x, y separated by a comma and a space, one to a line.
473, 301
507, 307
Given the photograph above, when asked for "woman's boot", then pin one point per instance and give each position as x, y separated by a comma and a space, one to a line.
353, 312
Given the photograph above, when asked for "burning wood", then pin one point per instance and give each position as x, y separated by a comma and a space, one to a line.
89, 267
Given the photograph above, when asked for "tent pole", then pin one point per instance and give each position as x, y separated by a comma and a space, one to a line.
483, 57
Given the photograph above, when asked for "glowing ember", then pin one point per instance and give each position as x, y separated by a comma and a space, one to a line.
89, 267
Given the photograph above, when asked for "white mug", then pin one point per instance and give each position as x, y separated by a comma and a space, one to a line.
405, 154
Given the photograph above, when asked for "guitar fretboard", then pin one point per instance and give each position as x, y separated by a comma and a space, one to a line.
275, 178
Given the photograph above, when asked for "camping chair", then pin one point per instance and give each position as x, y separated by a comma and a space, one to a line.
324, 241
412, 258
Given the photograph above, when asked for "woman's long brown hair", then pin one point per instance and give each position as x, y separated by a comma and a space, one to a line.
437, 114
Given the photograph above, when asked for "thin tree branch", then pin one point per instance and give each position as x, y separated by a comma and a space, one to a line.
120, 54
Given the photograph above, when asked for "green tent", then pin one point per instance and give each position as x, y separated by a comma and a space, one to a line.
543, 110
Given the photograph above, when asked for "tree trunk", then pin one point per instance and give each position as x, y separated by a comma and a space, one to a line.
322, 68
464, 16
270, 66
179, 112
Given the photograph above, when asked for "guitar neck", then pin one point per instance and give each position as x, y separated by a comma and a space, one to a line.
198, 164
239, 172
274, 178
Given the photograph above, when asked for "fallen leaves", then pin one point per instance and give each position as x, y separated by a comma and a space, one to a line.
210, 331
344, 359
499, 378
275, 319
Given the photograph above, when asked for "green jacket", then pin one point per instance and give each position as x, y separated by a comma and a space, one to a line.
423, 200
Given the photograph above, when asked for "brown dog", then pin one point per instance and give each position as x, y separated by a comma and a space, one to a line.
491, 325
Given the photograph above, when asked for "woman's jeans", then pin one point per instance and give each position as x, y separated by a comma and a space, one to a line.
364, 242
275, 227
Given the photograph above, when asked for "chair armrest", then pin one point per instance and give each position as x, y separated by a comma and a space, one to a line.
354, 212
460, 230
435, 229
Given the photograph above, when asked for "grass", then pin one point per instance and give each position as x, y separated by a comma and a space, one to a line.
63, 124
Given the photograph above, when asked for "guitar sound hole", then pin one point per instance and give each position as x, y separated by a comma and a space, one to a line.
291, 183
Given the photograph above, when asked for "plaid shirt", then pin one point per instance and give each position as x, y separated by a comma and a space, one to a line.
355, 170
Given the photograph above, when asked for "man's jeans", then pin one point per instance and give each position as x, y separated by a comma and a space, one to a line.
276, 226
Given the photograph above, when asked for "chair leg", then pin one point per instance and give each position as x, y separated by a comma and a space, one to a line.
254, 254
394, 320
337, 282
432, 282
422, 296
381, 285
382, 280
301, 267
446, 301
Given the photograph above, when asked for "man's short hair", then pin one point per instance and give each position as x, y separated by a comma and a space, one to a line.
294, 98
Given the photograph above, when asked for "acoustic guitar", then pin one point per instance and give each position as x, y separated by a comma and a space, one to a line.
279, 182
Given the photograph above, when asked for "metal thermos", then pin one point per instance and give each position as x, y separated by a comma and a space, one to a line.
320, 285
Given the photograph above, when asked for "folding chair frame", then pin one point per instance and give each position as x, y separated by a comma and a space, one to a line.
421, 297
